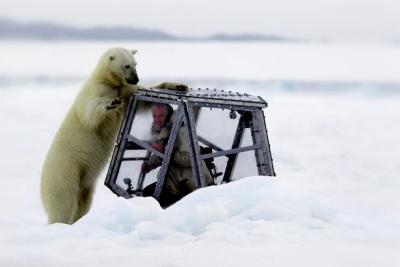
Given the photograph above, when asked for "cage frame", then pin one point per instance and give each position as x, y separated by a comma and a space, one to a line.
251, 113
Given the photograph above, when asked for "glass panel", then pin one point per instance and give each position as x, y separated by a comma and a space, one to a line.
134, 153
130, 173
217, 129
217, 126
246, 166
247, 140
220, 165
179, 178
153, 121
151, 127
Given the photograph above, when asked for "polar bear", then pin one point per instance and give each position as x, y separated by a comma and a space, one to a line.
87, 135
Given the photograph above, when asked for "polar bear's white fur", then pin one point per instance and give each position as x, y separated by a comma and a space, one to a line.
86, 137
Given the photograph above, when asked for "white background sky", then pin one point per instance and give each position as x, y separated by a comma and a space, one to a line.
360, 20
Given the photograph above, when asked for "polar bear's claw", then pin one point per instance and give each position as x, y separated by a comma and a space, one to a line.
114, 103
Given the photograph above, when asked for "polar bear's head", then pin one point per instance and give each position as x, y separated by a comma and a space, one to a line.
117, 67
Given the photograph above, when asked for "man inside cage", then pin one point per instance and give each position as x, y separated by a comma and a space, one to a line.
179, 180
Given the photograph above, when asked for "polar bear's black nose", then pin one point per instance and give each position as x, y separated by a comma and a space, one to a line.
133, 80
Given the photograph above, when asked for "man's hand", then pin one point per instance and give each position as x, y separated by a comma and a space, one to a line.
145, 167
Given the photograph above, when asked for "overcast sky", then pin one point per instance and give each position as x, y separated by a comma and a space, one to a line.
349, 20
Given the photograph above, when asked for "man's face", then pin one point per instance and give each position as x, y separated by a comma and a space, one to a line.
159, 117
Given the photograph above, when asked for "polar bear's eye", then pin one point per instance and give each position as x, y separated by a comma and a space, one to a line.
127, 66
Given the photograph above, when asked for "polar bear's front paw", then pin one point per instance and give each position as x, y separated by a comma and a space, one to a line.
116, 102
181, 87
174, 86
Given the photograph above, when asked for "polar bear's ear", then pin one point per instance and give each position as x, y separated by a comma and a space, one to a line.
134, 51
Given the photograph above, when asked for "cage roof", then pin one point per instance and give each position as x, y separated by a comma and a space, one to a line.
207, 95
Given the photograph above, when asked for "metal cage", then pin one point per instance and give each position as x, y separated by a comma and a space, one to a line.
245, 109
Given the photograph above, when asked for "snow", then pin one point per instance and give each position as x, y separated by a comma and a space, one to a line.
334, 201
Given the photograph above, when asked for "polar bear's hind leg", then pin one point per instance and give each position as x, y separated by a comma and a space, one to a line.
84, 201
64, 208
